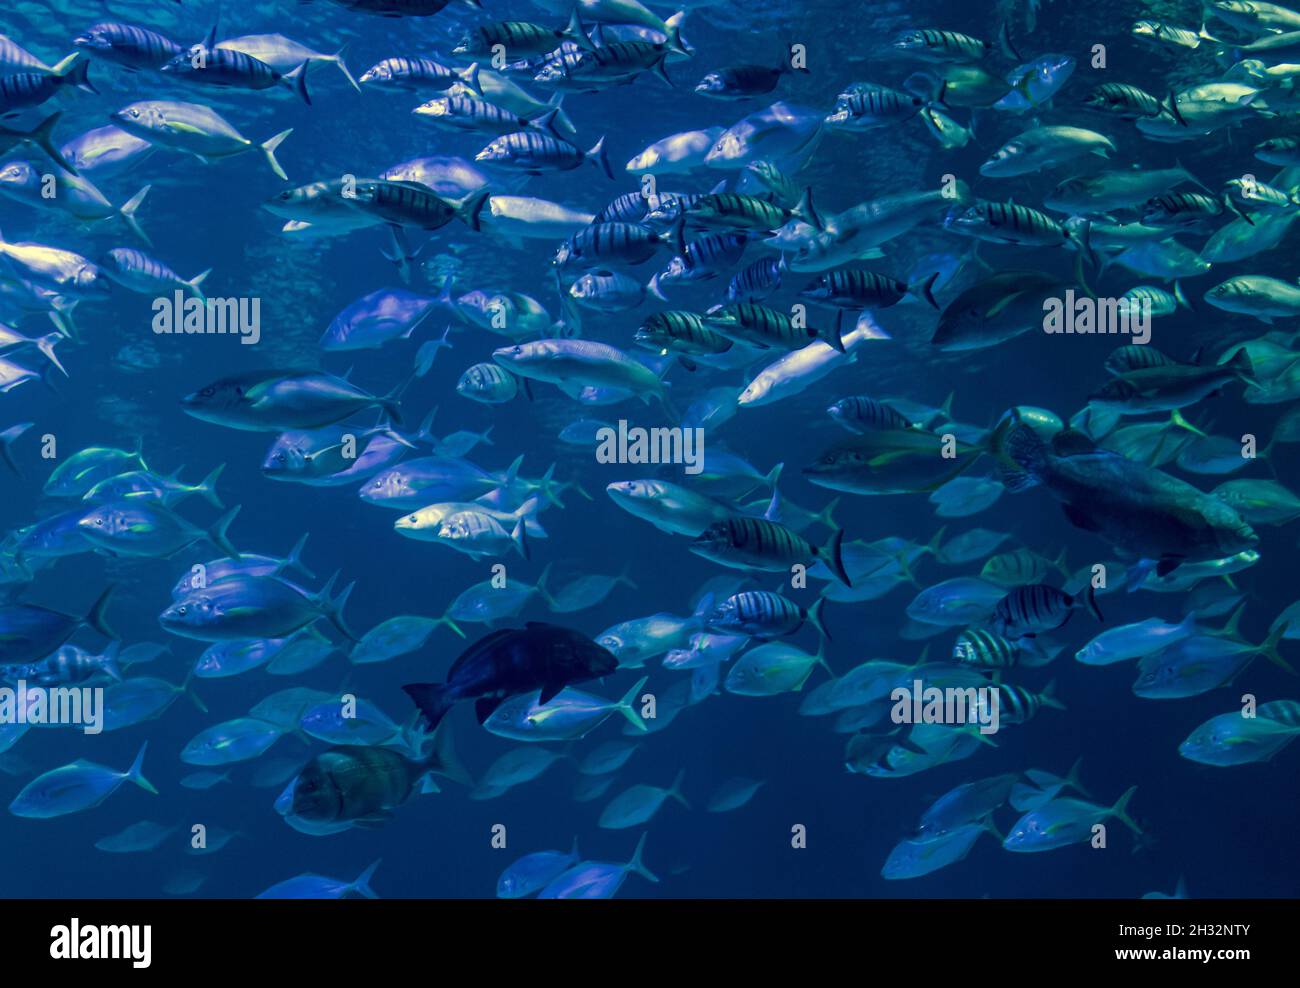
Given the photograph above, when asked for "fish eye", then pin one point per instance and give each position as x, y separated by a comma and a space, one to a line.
182, 610
207, 393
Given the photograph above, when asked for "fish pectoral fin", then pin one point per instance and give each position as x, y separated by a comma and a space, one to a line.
483, 707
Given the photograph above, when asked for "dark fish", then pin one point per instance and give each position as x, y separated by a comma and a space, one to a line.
1140, 510
508, 662
355, 785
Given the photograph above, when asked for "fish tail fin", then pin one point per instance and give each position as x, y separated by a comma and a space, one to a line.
208, 487
827, 514
297, 81
97, 617
627, 705
528, 512
269, 147
108, 662
836, 336
470, 76
46, 345
1048, 697
1241, 365
601, 161
815, 618
217, 533
136, 772
447, 620
194, 283
1072, 777
638, 865
470, 211
334, 609
42, 135
362, 884
431, 699
926, 289
540, 586
675, 790
1090, 602
187, 687
75, 71
905, 567
294, 559
1269, 648
1120, 811
807, 211
1176, 419
337, 59
519, 538
834, 557
773, 475
7, 438
128, 211
443, 758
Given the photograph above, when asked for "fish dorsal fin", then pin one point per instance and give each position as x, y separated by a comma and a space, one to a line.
1072, 442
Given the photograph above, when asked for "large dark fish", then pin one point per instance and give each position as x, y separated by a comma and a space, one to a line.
1138, 509
508, 662
356, 785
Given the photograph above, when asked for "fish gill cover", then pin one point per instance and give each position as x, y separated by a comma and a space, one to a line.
657, 449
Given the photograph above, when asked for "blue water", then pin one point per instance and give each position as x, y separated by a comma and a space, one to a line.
1225, 831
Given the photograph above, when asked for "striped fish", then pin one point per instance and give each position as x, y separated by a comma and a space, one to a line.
1035, 607
520, 37
1134, 357
1017, 704
401, 72
854, 288
1130, 103
860, 414
760, 326
978, 647
756, 282
27, 89
617, 243
126, 45
764, 614
931, 45
227, 68
490, 384
534, 152
680, 332
756, 543
413, 204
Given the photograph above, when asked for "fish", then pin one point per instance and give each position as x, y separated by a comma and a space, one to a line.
312, 886
508, 662
1138, 509
78, 786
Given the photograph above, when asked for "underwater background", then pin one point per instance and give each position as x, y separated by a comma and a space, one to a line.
1223, 831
